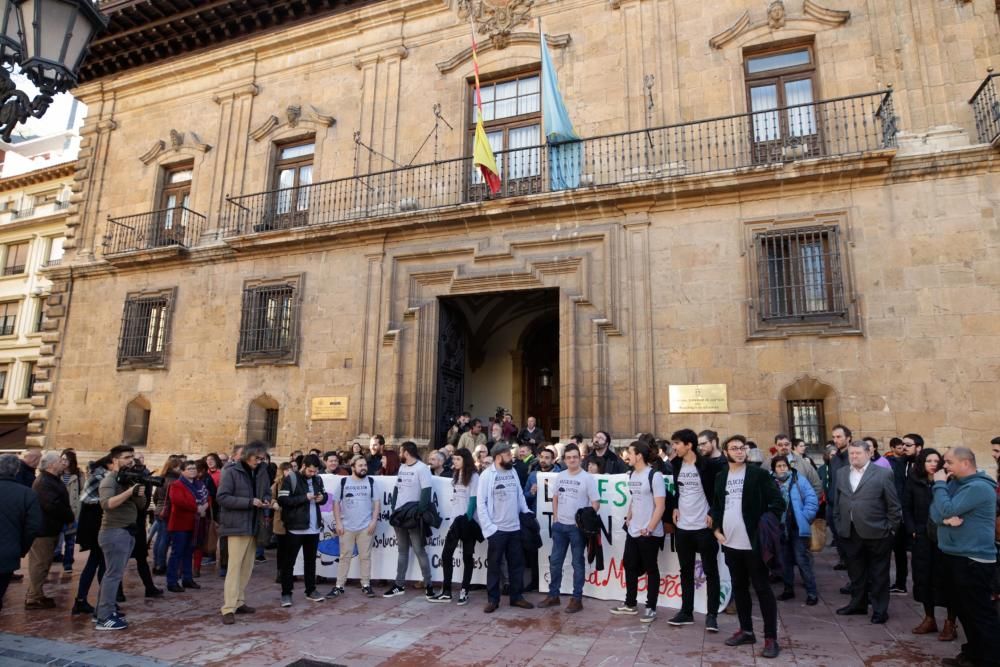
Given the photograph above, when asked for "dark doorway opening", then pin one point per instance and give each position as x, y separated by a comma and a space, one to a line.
498, 350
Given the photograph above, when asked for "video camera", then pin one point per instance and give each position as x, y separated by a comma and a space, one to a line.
498, 416
129, 477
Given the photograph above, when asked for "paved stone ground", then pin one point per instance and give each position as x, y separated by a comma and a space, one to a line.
186, 629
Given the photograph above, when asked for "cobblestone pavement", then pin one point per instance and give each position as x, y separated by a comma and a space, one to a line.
186, 629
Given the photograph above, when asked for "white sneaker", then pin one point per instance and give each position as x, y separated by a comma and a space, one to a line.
648, 616
625, 610
463, 597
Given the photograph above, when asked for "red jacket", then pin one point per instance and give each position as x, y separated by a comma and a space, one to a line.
183, 508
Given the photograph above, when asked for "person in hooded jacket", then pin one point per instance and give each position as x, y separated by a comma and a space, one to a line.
20, 522
796, 528
964, 511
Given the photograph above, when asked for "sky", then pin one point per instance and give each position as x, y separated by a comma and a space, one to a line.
55, 119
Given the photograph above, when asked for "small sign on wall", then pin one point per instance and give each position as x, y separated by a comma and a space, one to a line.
698, 398
329, 407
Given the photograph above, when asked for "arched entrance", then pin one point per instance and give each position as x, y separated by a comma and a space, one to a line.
498, 351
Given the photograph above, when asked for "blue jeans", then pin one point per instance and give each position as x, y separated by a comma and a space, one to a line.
505, 545
564, 537
160, 544
66, 546
181, 552
795, 551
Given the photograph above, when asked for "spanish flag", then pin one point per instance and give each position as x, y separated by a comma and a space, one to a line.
482, 154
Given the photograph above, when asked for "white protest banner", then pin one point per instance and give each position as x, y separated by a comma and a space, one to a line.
384, 546
609, 583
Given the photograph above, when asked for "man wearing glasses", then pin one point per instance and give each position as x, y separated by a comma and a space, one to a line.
244, 491
743, 494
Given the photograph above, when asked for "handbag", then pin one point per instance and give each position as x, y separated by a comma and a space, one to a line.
817, 539
211, 535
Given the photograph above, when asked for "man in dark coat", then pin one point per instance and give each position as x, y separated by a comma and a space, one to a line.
867, 516
53, 499
20, 521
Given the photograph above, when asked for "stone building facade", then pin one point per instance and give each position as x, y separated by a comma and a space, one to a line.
278, 221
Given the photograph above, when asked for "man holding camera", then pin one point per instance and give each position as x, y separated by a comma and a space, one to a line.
121, 499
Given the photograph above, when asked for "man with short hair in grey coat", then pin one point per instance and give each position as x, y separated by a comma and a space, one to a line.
867, 516
244, 492
20, 521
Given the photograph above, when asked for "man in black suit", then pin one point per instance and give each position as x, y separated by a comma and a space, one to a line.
867, 516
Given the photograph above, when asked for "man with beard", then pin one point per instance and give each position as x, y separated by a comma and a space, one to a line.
910, 445
604, 456
708, 446
500, 503
375, 461
355, 512
841, 439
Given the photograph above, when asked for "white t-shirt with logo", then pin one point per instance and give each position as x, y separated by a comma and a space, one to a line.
692, 505
733, 527
410, 480
643, 503
574, 492
503, 498
460, 497
356, 503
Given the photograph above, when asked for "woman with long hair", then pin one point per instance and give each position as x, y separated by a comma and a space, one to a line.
88, 526
929, 587
170, 472
74, 480
464, 526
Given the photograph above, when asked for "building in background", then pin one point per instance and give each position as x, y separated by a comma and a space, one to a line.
780, 216
36, 179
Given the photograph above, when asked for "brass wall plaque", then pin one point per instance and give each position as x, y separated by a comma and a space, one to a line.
695, 398
329, 407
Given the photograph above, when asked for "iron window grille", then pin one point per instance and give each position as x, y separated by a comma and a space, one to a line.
269, 323
271, 427
17, 255
144, 331
800, 274
8, 318
807, 421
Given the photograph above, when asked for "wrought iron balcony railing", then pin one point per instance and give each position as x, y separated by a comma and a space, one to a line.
838, 127
177, 226
986, 109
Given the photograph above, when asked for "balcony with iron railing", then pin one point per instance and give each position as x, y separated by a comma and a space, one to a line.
177, 228
846, 126
986, 109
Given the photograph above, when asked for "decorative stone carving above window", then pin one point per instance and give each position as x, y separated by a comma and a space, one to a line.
178, 143
530, 38
294, 116
814, 16
495, 18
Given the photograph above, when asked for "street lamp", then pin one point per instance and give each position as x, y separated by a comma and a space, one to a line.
48, 39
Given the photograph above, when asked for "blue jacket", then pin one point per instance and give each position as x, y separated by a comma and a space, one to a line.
804, 502
972, 498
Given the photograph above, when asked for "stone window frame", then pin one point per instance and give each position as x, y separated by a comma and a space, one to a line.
290, 355
150, 361
821, 325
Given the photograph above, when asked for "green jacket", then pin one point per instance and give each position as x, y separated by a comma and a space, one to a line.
760, 494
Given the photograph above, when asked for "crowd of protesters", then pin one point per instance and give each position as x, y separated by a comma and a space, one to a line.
932, 513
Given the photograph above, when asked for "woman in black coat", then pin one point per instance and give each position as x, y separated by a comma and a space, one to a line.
929, 585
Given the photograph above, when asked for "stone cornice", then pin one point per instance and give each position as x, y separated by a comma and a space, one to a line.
52, 173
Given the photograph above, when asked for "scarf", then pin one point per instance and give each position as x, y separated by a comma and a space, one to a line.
785, 486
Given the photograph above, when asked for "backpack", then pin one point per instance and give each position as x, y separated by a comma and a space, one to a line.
343, 484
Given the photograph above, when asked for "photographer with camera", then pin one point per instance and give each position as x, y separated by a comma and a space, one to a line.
122, 496
458, 429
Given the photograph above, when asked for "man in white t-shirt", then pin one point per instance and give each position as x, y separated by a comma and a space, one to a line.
743, 494
644, 519
413, 485
355, 513
499, 505
573, 490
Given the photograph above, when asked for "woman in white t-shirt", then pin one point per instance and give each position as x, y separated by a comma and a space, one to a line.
464, 527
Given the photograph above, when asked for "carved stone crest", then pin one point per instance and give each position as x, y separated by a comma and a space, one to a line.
495, 18
294, 114
776, 15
